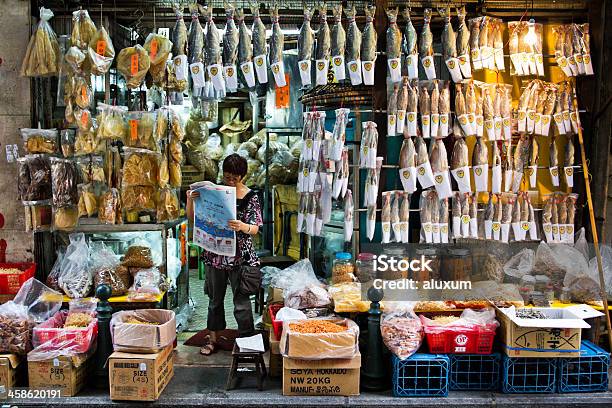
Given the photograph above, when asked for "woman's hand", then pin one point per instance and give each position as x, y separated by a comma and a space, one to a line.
237, 225
193, 194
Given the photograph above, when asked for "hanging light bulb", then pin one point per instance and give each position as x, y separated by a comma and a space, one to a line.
530, 38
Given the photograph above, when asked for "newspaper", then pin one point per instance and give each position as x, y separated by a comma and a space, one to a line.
213, 209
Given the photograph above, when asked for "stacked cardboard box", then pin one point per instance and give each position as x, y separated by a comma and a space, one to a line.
10, 368
140, 377
67, 373
308, 366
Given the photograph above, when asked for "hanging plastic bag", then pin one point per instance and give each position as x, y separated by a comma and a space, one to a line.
34, 180
520, 264
109, 210
65, 178
101, 52
40, 140
133, 64
140, 167
53, 277
401, 330
168, 206
83, 29
107, 270
111, 122
159, 48
76, 279
42, 57
147, 286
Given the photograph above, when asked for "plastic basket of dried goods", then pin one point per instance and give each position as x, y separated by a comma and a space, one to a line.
472, 333
67, 330
14, 275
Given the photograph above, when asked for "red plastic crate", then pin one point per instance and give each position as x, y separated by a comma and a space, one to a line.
460, 339
52, 334
277, 325
12, 282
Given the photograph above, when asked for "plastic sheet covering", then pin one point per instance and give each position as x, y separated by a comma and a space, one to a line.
519, 265
52, 339
320, 345
147, 286
401, 330
34, 303
76, 279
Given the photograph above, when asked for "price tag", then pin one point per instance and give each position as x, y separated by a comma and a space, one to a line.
282, 94
84, 92
134, 64
84, 118
154, 47
133, 129
100, 47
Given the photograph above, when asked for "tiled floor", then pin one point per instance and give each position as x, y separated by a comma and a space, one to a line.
198, 321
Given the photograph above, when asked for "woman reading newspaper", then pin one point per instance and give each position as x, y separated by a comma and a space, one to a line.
221, 269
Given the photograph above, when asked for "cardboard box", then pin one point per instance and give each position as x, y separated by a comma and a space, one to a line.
143, 338
275, 364
318, 346
140, 377
9, 368
275, 295
68, 374
558, 335
321, 377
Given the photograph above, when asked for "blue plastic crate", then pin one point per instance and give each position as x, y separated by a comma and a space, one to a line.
587, 373
421, 375
474, 371
529, 375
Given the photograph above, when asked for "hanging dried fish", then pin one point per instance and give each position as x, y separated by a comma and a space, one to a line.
368, 46
277, 43
394, 46
404, 214
306, 37
258, 30
407, 165
231, 37
474, 25
196, 36
409, 47
496, 170
439, 166
349, 208
245, 50
392, 111
568, 162
426, 46
395, 217
323, 47
402, 104
480, 165
179, 33
449, 46
338, 44
459, 165
353, 49
498, 45
463, 44
385, 217
426, 213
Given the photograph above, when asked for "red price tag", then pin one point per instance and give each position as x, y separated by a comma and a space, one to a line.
133, 129
85, 118
100, 47
154, 47
282, 95
84, 92
134, 64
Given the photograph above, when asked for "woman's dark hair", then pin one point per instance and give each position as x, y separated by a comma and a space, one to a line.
235, 164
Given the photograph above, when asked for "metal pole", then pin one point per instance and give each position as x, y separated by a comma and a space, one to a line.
587, 186
373, 370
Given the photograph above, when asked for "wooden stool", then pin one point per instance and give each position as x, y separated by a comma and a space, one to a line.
253, 357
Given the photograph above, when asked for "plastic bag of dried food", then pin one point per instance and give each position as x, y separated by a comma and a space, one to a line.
91, 169
196, 129
148, 285
81, 92
163, 177
312, 295
87, 142
159, 48
34, 303
64, 178
138, 256
104, 263
42, 56
140, 167
75, 58
138, 198
520, 264
133, 63
109, 209
40, 140
273, 148
401, 330
65, 218
67, 142
168, 206
112, 122
563, 264
53, 277
141, 126
176, 174
88, 200
76, 279
101, 52
83, 29
34, 178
